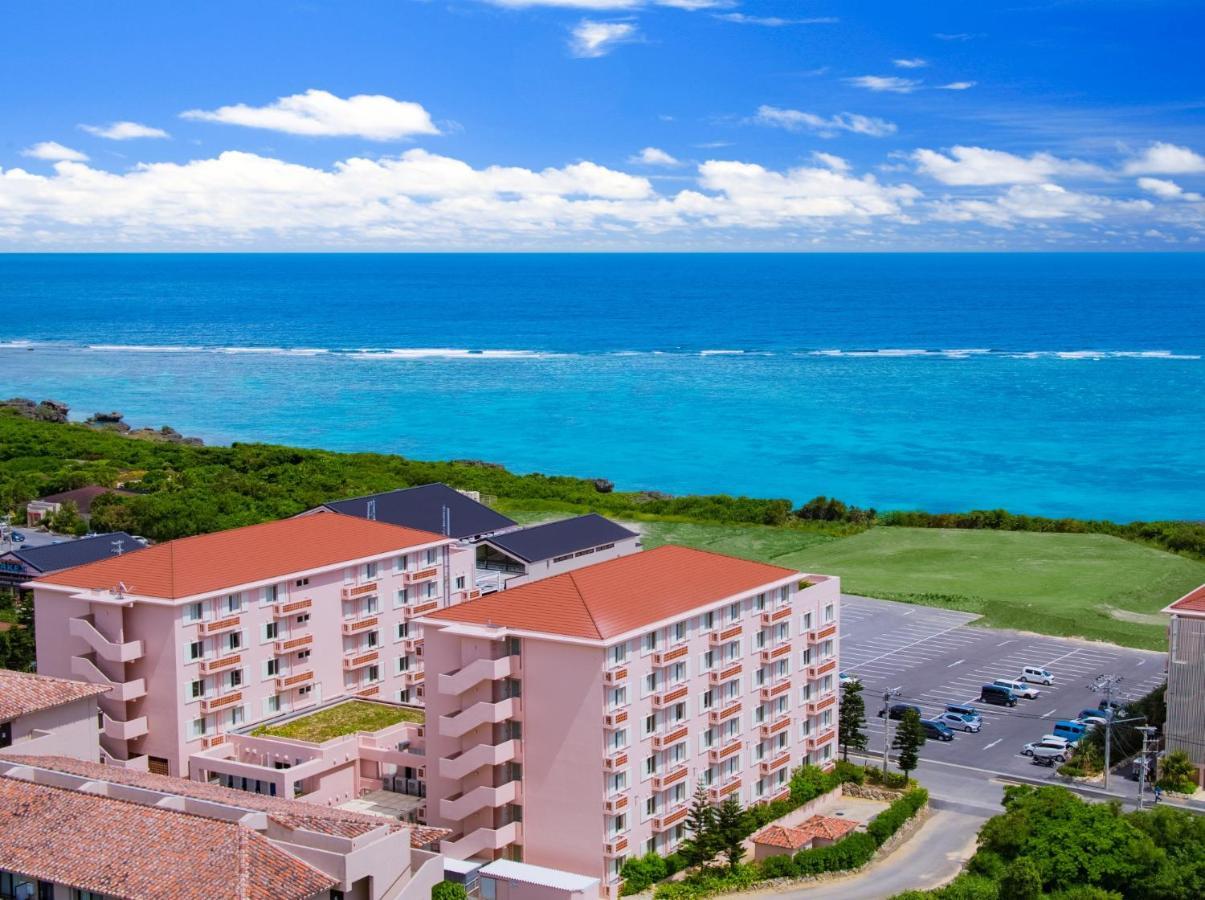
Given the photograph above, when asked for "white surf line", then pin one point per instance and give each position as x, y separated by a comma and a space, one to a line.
913, 644
957, 662
992, 744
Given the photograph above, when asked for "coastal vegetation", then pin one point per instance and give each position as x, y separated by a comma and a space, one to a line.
1048, 576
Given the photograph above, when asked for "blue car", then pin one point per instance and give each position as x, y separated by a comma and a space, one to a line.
1071, 732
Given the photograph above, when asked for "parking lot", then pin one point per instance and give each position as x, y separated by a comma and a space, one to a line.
933, 657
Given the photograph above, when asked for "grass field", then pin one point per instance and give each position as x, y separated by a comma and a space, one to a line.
1069, 585
334, 721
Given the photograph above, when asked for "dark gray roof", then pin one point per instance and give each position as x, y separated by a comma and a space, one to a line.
422, 507
558, 538
56, 557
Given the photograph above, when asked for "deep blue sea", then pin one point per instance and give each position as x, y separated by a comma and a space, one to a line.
1065, 384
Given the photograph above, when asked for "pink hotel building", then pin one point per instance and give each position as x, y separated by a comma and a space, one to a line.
569, 720
204, 635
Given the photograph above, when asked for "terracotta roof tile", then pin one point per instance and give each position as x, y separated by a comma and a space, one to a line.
1193, 601
796, 837
128, 850
22, 693
614, 597
211, 562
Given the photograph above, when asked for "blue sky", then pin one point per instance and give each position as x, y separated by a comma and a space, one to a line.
603, 124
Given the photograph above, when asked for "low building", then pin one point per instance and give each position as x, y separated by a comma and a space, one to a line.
428, 507
44, 507
569, 720
39, 714
1185, 726
523, 555
22, 564
784, 840
504, 879
199, 637
89, 830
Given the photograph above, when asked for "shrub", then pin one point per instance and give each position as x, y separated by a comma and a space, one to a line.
778, 867
448, 890
850, 852
886, 779
641, 871
674, 863
708, 882
1176, 773
849, 773
890, 820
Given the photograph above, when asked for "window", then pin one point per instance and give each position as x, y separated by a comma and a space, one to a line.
403, 664
235, 678
196, 689
678, 711
271, 705
619, 653
238, 715
679, 631
828, 613
403, 630
460, 582
734, 611
650, 806
303, 618
370, 606
708, 699
271, 668
194, 612
197, 728
234, 640
707, 621
619, 697
267, 594
372, 639
271, 630
234, 603
304, 654
677, 673
619, 782
650, 642
650, 765
650, 723
370, 570
196, 650
403, 597
432, 555
429, 589
399, 563
619, 739
374, 673
760, 603
301, 582
807, 621
650, 683
708, 660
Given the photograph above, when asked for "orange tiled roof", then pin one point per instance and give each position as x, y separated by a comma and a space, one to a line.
211, 562
1193, 601
614, 597
801, 835
290, 813
127, 850
22, 693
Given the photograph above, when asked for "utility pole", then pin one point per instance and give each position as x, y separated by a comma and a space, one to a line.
1106, 685
1146, 730
887, 695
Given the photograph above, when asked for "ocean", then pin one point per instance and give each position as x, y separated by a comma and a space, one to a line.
1054, 384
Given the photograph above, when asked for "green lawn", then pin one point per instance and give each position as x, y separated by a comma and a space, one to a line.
750, 541
345, 718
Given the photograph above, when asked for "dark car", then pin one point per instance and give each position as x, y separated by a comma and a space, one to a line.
1001, 696
897, 710
936, 730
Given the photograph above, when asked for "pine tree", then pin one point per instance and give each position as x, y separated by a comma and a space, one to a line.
909, 738
852, 719
701, 847
730, 831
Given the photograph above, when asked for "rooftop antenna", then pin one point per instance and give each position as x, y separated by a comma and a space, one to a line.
117, 546
372, 510
120, 589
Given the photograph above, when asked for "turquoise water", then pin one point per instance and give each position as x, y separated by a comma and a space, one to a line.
1061, 385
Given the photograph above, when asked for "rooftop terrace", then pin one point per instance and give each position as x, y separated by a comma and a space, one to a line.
341, 719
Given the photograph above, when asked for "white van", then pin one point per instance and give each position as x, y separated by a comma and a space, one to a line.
1036, 675
1020, 688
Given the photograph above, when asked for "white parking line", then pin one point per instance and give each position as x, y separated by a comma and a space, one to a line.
957, 662
1048, 714
914, 643
992, 744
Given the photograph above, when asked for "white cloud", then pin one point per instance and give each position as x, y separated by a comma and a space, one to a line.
1166, 190
1166, 159
914, 62
53, 151
775, 21
834, 162
590, 39
610, 5
980, 166
797, 120
653, 156
957, 86
321, 114
125, 131
1037, 203
889, 83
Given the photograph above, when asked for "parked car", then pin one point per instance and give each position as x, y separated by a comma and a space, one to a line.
1093, 716
845, 677
1000, 696
1119, 709
936, 731
959, 722
965, 709
1036, 675
1020, 688
1072, 732
1054, 750
897, 710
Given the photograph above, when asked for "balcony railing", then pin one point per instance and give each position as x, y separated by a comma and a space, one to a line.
668, 820
294, 680
821, 704
669, 738
210, 666
718, 792
719, 676
417, 575
352, 591
411, 677
815, 743
773, 765
719, 754
360, 660
816, 635
670, 655
213, 740
777, 689
716, 716
283, 608
772, 617
414, 610
372, 690
292, 644
616, 675
822, 668
670, 697
358, 625
616, 761
769, 729
669, 779
613, 805
615, 718
769, 654
724, 635
616, 846
213, 704
217, 626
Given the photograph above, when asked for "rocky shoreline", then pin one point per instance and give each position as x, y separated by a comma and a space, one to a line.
57, 412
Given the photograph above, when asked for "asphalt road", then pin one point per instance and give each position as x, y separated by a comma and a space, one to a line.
933, 657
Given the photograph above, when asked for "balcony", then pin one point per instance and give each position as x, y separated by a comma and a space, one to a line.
817, 706
360, 625
769, 729
353, 591
372, 690
466, 596
210, 741
773, 765
719, 754
773, 617
482, 713
468, 761
294, 680
218, 626
616, 846
816, 635
669, 738
284, 608
119, 691
770, 654
418, 575
670, 655
716, 716
670, 697
615, 718
821, 668
615, 761
668, 820
718, 792
353, 661
410, 644
481, 840
221, 664
120, 730
616, 804
777, 689
784, 794
455, 683
110, 651
414, 610
815, 743
719, 676
461, 806
669, 779
292, 644
213, 704
413, 676
615, 676
724, 635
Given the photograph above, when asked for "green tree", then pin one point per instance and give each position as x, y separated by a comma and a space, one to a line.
852, 718
730, 830
701, 846
909, 738
1176, 772
67, 520
448, 890
1021, 881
